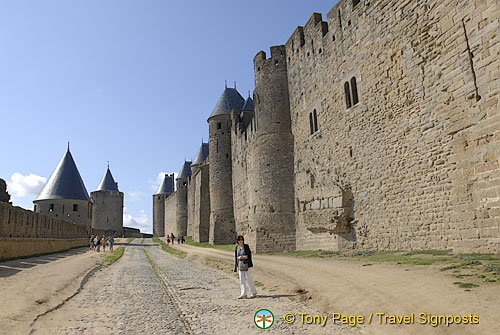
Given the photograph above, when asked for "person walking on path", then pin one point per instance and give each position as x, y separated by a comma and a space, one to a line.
103, 242
92, 242
243, 263
182, 239
173, 238
178, 239
111, 242
98, 244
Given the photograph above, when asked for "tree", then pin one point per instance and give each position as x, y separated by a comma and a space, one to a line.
4, 195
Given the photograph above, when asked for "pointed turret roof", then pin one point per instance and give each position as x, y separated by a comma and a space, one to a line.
185, 171
229, 100
167, 186
65, 182
201, 155
107, 183
248, 106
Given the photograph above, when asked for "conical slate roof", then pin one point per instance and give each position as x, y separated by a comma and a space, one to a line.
107, 183
65, 182
248, 106
167, 186
185, 171
229, 100
201, 155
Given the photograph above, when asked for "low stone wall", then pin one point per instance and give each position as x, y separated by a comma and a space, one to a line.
21, 247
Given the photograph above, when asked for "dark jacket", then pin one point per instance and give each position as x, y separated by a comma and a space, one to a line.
248, 253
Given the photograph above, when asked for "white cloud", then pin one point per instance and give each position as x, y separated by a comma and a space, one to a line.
135, 195
142, 221
25, 186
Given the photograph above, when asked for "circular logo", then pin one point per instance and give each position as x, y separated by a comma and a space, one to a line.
263, 318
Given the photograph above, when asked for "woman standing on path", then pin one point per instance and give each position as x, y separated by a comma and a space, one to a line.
243, 262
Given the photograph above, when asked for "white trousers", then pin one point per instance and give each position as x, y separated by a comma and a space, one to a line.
245, 276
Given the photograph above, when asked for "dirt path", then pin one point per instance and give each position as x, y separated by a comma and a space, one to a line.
353, 289
31, 286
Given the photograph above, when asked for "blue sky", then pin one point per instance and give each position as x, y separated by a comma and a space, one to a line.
130, 82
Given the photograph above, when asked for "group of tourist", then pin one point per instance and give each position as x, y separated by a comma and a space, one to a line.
171, 238
97, 242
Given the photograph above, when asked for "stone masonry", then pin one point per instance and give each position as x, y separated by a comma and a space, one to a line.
376, 129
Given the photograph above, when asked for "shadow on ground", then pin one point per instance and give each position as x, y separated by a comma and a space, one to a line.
9, 268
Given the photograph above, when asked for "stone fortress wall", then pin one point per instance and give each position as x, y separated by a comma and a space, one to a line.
376, 129
415, 160
24, 233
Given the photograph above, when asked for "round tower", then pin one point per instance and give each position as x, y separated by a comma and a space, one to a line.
166, 188
222, 226
108, 206
271, 196
181, 183
64, 195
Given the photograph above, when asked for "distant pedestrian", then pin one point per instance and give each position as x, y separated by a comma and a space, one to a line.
98, 244
243, 263
111, 242
173, 238
103, 242
182, 239
168, 240
178, 239
92, 242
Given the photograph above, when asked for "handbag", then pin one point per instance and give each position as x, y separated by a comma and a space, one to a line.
243, 266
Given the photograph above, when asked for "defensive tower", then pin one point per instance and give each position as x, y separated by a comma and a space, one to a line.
181, 212
108, 206
222, 226
166, 188
271, 192
65, 196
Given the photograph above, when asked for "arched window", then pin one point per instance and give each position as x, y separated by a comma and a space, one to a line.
347, 95
315, 116
354, 88
311, 125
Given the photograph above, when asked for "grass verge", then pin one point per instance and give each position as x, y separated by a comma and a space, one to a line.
166, 248
109, 258
226, 247
130, 239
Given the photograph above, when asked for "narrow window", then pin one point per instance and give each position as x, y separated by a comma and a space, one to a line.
311, 125
219, 125
340, 20
315, 115
312, 181
63, 209
35, 208
347, 95
75, 207
354, 88
51, 208
217, 146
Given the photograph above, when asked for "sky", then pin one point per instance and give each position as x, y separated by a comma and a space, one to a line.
129, 82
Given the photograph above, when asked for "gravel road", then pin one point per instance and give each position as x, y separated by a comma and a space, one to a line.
149, 291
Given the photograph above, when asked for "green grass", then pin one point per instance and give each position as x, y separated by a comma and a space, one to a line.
226, 247
170, 250
130, 239
111, 257
465, 285
307, 253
